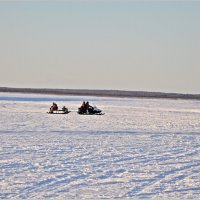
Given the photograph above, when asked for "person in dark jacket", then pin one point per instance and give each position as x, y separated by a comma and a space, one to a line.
54, 107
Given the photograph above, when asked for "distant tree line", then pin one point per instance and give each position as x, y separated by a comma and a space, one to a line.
102, 93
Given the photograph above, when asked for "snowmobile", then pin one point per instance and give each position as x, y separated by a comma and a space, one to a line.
92, 110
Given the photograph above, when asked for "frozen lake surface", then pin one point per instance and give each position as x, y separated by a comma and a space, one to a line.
142, 148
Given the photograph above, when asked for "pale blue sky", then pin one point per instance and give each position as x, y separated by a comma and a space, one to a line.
151, 46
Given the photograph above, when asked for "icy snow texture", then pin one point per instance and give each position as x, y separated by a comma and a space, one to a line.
143, 148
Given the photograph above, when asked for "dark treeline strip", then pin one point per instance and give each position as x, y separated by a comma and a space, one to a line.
102, 93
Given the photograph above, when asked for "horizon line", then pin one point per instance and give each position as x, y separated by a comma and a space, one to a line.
102, 93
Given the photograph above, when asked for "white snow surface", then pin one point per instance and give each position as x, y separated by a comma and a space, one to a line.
140, 148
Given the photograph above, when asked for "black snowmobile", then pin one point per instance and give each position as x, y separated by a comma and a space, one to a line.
91, 110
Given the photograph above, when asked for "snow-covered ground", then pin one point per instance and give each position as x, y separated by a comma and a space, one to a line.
142, 148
